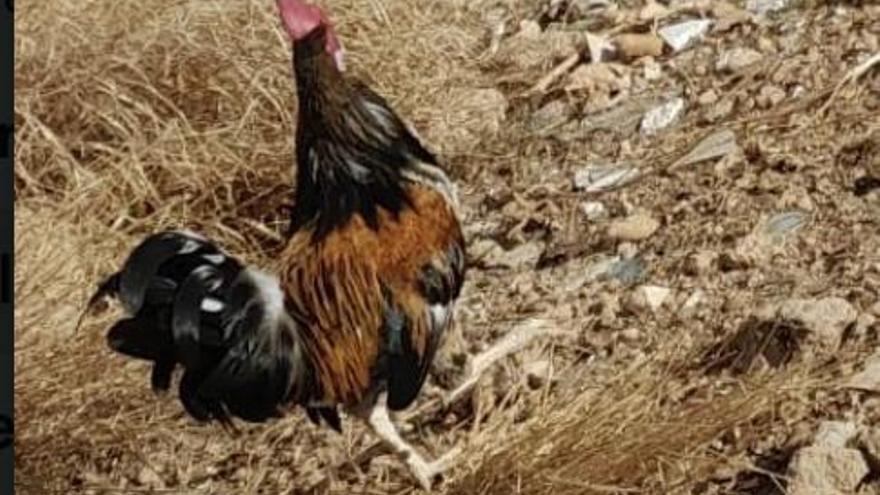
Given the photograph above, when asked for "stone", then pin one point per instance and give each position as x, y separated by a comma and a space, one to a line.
785, 223
627, 250
597, 178
693, 302
826, 319
655, 296
551, 115
653, 71
737, 59
594, 210
635, 227
770, 96
835, 433
763, 7
149, 478
646, 298
720, 110
490, 254
524, 255
717, 145
684, 34
598, 79
700, 263
653, 10
663, 116
636, 45
707, 97
826, 470
630, 334
627, 270
868, 379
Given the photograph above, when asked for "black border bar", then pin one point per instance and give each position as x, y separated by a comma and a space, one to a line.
7, 222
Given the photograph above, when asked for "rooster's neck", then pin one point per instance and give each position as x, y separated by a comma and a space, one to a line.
354, 155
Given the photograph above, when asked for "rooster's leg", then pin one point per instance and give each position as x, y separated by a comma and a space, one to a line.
380, 422
515, 340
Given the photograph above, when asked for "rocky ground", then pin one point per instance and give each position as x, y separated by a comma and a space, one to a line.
675, 207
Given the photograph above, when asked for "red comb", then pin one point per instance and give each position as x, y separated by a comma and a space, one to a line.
300, 18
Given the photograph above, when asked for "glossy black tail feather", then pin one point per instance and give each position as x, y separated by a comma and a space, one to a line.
190, 304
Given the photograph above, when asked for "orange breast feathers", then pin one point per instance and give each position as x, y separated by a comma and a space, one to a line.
375, 302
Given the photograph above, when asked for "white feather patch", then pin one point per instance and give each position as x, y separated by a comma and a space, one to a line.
440, 314
211, 305
214, 259
269, 292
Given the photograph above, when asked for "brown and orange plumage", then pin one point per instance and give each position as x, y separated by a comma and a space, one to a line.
363, 291
351, 285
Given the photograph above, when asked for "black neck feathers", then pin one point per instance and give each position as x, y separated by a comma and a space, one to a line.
352, 150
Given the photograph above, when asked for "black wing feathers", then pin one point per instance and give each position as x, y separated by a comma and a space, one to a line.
439, 283
192, 305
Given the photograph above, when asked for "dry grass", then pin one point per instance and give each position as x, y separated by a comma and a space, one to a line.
133, 116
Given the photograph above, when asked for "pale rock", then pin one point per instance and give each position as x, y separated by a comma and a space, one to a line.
693, 302
728, 15
707, 97
717, 145
149, 478
826, 470
601, 77
646, 298
655, 296
770, 96
597, 178
521, 256
653, 10
868, 378
737, 59
621, 117
627, 250
630, 334
663, 116
636, 45
684, 34
484, 248
635, 227
766, 44
551, 115
529, 29
653, 70
628, 270
594, 210
835, 434
720, 110
762, 7
825, 318
782, 224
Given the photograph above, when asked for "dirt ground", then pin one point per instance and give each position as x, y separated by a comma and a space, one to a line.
714, 306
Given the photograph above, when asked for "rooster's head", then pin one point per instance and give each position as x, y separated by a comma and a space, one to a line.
306, 23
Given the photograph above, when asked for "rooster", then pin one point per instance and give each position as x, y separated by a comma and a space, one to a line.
354, 310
